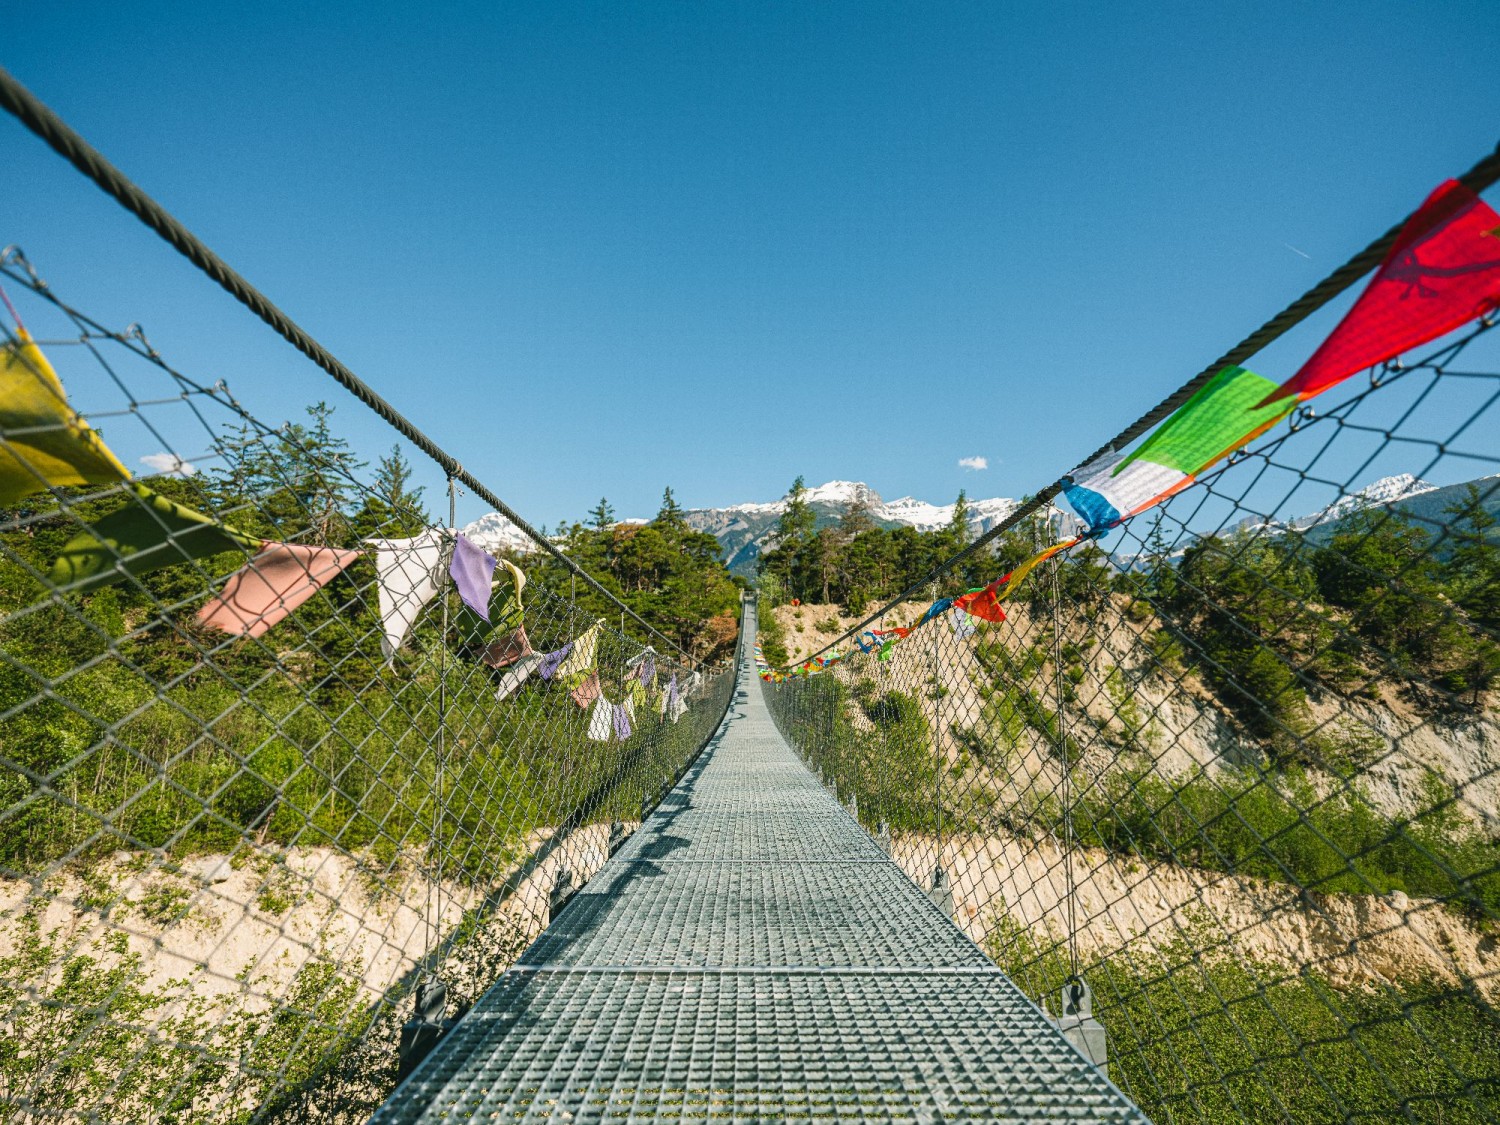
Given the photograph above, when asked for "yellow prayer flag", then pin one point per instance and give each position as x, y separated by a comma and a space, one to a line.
43, 441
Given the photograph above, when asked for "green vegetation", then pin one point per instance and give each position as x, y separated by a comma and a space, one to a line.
1195, 1037
73, 1041
1276, 827
1264, 617
857, 563
128, 724
888, 765
671, 575
772, 637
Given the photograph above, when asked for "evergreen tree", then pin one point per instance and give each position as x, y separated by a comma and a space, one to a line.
670, 512
791, 558
958, 526
288, 484
856, 518
393, 507
601, 515
1475, 564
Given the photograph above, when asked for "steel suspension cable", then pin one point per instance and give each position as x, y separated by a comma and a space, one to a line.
1482, 175
22, 104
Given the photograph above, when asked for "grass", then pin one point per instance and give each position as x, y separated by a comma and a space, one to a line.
1213, 1040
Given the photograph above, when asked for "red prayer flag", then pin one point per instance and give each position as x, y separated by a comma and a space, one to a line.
1442, 272
983, 603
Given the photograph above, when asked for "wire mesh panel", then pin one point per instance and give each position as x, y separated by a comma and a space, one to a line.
241, 820
1236, 767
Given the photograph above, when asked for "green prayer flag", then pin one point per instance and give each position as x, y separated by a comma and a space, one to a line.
1217, 420
147, 534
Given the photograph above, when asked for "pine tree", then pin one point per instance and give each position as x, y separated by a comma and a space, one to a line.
601, 516
856, 518
393, 507
1475, 563
790, 558
958, 526
670, 512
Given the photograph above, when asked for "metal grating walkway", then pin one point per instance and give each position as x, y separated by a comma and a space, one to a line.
751, 954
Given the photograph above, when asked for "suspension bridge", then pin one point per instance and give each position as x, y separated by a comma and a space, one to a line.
751, 953
312, 808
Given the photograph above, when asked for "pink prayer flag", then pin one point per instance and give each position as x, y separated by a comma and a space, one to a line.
276, 581
472, 570
586, 692
1442, 272
505, 651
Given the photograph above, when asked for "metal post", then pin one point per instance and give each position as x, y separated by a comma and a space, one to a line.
941, 890
1067, 769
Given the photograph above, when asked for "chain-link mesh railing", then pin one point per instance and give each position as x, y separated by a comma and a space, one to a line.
1235, 768
230, 860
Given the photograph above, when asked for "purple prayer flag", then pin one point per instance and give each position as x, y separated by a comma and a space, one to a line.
552, 661
472, 569
622, 722
648, 670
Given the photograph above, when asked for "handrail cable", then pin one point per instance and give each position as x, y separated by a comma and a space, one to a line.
22, 104
1483, 175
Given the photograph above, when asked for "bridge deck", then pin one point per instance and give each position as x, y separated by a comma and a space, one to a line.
751, 953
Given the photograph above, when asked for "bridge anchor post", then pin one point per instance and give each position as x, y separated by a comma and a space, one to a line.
428, 1025
562, 891
1078, 1025
941, 891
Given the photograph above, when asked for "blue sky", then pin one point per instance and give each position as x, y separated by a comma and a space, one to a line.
601, 248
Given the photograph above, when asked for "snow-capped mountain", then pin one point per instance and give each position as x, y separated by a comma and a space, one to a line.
1428, 505
744, 528
494, 532
1387, 490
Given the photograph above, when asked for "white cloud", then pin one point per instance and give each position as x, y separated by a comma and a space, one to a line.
975, 463
169, 464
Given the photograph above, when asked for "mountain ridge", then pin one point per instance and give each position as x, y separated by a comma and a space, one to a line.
743, 529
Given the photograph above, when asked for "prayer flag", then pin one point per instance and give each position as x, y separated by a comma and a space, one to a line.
552, 661
587, 691
1442, 271
963, 625
983, 603
507, 650
581, 659
44, 443
1229, 411
408, 575
673, 705
271, 585
601, 722
148, 533
472, 568
937, 607
622, 722
519, 673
